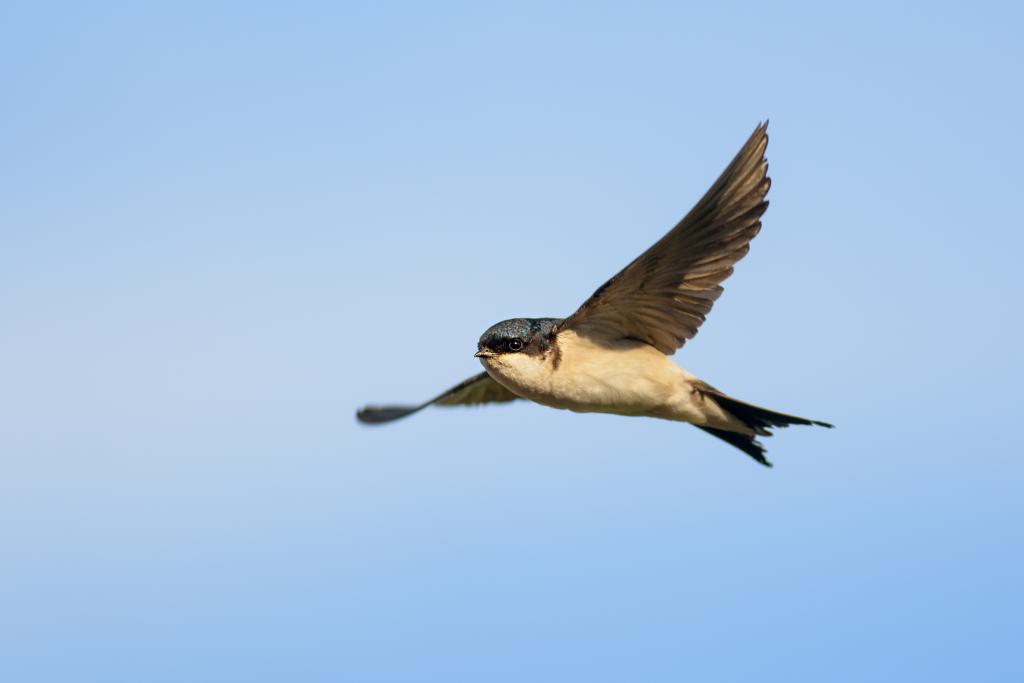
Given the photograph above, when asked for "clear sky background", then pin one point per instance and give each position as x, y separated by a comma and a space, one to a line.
224, 227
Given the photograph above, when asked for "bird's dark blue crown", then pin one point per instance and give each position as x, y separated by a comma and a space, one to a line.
526, 330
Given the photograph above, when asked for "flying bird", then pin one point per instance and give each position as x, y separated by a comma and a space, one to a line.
612, 354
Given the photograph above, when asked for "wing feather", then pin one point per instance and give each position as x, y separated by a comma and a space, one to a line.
666, 293
476, 390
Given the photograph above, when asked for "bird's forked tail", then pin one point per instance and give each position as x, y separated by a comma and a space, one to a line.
759, 419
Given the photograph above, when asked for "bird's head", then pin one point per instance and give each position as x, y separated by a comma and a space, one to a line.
531, 336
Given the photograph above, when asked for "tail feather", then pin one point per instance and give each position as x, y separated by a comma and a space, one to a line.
759, 419
748, 444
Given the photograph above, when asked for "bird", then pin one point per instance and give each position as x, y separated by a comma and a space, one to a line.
612, 354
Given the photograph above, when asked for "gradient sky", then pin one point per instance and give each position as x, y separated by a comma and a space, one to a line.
224, 227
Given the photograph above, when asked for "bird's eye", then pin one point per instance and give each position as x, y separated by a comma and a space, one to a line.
515, 345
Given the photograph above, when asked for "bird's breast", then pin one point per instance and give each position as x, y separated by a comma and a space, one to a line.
629, 378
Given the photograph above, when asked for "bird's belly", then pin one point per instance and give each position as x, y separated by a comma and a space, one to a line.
628, 380
615, 382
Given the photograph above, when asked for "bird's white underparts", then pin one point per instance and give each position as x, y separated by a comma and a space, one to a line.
622, 376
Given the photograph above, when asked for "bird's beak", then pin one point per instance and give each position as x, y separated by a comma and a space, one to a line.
484, 354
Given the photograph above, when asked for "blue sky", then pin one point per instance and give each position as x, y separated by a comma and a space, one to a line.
224, 227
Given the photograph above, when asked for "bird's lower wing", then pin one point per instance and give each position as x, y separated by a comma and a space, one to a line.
476, 390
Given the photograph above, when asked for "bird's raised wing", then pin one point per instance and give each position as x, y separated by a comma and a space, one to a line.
663, 296
475, 390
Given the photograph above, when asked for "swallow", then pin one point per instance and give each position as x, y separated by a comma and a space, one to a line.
612, 354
